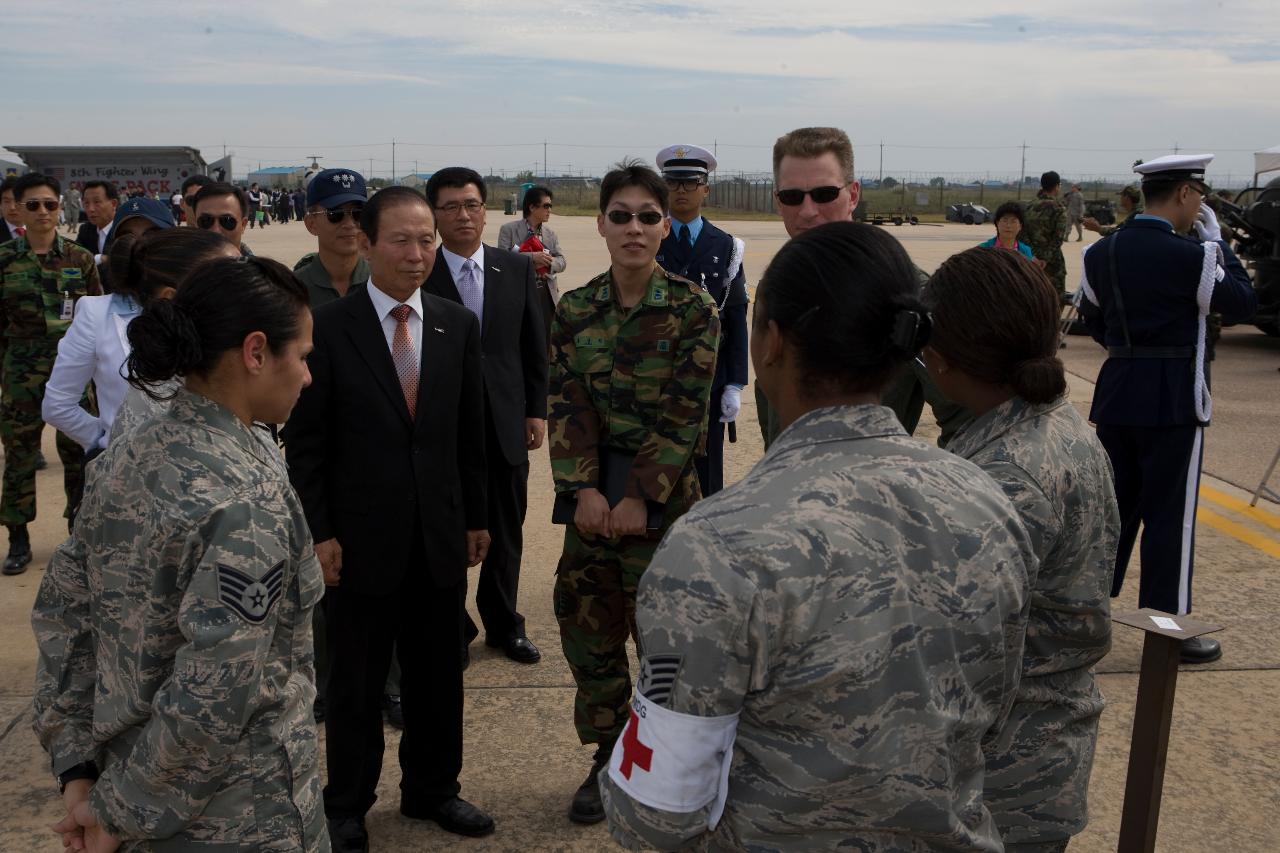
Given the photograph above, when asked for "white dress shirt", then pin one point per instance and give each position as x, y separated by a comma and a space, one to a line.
95, 347
383, 305
103, 233
455, 263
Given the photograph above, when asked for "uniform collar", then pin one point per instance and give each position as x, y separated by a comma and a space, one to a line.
837, 423
989, 426
190, 407
57, 248
656, 293
695, 228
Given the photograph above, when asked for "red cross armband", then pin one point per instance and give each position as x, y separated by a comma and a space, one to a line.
674, 762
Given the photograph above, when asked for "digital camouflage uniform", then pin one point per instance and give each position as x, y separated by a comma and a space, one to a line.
638, 380
32, 321
1043, 230
822, 600
174, 633
1052, 467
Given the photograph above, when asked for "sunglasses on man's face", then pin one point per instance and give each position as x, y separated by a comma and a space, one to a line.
336, 216
646, 217
226, 221
820, 195
50, 204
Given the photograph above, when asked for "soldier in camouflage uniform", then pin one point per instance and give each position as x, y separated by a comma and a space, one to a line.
1044, 228
632, 359
800, 687
195, 549
43, 274
995, 335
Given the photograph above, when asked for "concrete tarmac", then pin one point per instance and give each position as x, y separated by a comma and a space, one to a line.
522, 759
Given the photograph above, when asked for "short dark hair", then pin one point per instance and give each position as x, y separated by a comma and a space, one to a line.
837, 293
113, 194
1010, 208
455, 177
1158, 192
196, 181
532, 197
140, 265
31, 180
219, 303
996, 318
382, 199
216, 189
1049, 180
633, 173
6, 186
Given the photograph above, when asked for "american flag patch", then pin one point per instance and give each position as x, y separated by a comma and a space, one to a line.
658, 676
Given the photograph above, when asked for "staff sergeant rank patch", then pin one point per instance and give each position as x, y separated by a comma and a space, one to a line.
658, 676
251, 598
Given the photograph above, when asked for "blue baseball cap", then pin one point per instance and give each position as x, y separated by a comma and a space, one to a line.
334, 187
158, 212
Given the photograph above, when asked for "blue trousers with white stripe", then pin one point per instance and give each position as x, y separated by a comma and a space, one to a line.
1157, 476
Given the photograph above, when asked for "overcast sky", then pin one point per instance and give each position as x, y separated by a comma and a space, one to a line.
949, 87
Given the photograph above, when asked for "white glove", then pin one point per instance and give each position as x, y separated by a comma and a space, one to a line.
730, 403
1206, 224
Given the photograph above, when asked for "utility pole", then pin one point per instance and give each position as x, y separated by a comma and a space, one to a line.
224, 149
1022, 179
545, 174
881, 179
370, 168
393, 160
1175, 148
715, 148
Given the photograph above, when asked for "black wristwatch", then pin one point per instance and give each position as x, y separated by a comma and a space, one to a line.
83, 770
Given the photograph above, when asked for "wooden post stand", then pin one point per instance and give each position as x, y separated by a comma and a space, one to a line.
1152, 718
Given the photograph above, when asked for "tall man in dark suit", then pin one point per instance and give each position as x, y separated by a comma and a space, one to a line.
13, 227
391, 472
699, 251
499, 287
101, 198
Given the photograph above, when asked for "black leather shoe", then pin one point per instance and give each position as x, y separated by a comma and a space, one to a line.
517, 648
454, 815
348, 835
1201, 650
19, 551
587, 806
395, 710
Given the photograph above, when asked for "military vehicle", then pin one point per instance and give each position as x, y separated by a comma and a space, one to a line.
1100, 209
968, 213
1255, 217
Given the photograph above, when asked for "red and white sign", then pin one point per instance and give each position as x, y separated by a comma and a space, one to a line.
165, 179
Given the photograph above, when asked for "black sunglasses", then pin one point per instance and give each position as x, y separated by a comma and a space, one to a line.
336, 216
50, 204
228, 222
820, 195
646, 217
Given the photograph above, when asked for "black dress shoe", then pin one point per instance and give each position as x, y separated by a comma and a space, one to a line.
19, 551
454, 815
1201, 650
521, 650
587, 806
348, 835
395, 710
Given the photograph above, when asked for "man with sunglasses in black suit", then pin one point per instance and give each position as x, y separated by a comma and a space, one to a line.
335, 198
223, 209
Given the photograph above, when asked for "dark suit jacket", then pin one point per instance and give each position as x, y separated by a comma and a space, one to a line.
1159, 273
87, 237
514, 343
365, 472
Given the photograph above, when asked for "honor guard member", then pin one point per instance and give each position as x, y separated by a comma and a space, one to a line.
1045, 228
43, 275
1148, 290
1130, 203
699, 251
632, 358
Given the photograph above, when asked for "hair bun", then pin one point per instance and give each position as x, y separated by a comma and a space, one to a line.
1039, 380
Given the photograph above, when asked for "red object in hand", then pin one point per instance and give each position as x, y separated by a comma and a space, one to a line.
533, 244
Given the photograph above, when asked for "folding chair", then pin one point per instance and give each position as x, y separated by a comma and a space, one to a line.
1072, 314
1263, 488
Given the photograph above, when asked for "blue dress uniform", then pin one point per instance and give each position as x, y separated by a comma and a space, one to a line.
706, 255
1147, 294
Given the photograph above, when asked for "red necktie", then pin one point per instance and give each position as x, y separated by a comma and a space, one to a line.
22, 231
405, 359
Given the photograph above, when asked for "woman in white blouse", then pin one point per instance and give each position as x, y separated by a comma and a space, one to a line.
140, 269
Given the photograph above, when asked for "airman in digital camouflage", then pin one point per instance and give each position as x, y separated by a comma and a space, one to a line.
175, 681
800, 687
1044, 228
996, 336
633, 357
42, 275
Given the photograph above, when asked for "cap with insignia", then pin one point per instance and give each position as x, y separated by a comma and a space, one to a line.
157, 212
335, 187
685, 161
1175, 167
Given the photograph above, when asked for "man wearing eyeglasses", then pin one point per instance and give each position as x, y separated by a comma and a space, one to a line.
335, 198
699, 251
813, 185
43, 275
532, 236
498, 286
223, 209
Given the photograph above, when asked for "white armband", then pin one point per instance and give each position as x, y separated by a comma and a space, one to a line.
674, 762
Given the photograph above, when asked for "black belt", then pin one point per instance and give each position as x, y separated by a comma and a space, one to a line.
1151, 352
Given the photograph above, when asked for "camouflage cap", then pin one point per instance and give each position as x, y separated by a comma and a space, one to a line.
1132, 192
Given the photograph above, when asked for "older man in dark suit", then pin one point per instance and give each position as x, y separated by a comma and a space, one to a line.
383, 451
497, 286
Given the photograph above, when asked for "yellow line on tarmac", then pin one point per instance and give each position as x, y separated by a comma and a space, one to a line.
1237, 530
1224, 500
